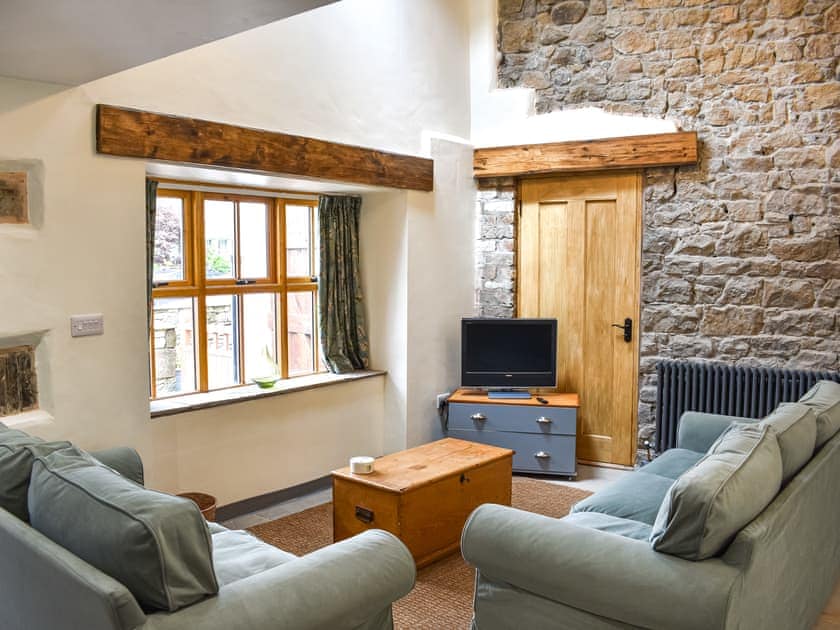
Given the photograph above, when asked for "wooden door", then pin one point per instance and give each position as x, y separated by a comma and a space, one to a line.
578, 260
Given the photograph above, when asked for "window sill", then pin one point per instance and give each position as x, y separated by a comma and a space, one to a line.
194, 402
27, 420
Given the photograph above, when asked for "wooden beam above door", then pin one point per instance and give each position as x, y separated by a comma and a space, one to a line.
663, 149
148, 135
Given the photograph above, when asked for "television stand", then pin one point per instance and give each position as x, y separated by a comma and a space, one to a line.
543, 435
508, 393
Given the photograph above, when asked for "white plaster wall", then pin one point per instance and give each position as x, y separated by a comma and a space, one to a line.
505, 117
418, 261
278, 442
383, 250
90, 257
441, 264
368, 72
372, 72
15, 93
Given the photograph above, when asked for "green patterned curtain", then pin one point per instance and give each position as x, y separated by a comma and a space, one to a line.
151, 211
344, 341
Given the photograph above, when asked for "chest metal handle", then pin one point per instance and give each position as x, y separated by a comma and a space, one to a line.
478, 417
542, 455
363, 514
544, 420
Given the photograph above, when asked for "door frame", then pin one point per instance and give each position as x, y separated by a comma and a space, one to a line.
637, 306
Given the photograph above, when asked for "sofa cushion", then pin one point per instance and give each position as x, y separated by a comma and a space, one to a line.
710, 503
795, 426
824, 399
238, 554
215, 528
673, 462
612, 524
17, 452
637, 497
156, 544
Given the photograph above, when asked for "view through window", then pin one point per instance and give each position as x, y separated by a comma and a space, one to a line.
235, 290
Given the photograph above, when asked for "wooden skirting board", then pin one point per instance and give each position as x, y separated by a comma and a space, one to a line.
140, 134
664, 149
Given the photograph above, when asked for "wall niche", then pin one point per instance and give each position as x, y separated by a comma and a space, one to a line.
21, 195
18, 380
14, 200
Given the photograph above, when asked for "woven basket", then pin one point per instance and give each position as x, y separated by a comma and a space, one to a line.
205, 502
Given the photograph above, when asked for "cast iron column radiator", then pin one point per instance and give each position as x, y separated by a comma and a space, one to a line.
732, 390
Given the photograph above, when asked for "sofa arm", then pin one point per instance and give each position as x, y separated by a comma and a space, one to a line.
598, 572
124, 460
43, 585
340, 586
697, 431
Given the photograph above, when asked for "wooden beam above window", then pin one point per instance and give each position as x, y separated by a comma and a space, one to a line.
663, 149
147, 135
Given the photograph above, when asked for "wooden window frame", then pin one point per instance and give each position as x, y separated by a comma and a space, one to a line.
189, 231
198, 287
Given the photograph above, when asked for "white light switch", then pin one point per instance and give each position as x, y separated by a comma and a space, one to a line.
86, 325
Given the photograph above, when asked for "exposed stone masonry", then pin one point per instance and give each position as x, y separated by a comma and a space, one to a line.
741, 254
495, 250
13, 198
18, 380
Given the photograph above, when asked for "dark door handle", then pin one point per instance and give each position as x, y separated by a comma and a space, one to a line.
628, 329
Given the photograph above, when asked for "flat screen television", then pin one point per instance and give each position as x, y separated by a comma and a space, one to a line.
508, 353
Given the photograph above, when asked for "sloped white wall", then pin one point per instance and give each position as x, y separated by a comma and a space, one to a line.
376, 73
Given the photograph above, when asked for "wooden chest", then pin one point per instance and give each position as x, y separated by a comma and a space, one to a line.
422, 495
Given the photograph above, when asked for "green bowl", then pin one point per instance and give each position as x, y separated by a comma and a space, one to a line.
266, 382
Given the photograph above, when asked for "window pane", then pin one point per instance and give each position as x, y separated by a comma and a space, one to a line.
169, 240
222, 341
297, 241
253, 239
174, 339
301, 346
219, 237
259, 324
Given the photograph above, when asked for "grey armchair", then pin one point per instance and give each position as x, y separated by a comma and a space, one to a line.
348, 585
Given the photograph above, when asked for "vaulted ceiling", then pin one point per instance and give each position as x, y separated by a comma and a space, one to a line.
76, 41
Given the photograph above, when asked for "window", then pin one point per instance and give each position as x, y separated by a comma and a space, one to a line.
235, 291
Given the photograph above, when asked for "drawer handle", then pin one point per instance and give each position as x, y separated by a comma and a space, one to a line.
542, 455
544, 420
364, 515
478, 417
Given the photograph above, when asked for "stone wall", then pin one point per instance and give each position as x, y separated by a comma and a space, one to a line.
18, 380
495, 251
741, 254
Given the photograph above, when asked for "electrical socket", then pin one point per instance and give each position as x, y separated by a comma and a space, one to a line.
87, 325
441, 399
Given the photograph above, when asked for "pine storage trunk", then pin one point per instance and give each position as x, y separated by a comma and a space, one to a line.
423, 495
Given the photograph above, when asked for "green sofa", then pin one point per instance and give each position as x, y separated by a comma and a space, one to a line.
597, 568
43, 585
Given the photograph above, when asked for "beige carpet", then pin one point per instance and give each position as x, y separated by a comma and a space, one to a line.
442, 597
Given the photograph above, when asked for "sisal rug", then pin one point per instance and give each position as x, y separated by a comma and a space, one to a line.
442, 597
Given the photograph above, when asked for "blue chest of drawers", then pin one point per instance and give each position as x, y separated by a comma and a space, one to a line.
543, 435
